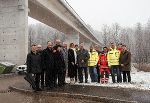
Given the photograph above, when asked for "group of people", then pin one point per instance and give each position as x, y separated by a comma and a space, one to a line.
51, 65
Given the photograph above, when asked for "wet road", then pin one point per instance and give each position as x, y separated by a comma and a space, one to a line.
7, 96
14, 97
117, 93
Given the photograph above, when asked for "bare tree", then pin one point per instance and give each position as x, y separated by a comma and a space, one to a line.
106, 34
115, 32
139, 45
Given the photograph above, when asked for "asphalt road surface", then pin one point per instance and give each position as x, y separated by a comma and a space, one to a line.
8, 96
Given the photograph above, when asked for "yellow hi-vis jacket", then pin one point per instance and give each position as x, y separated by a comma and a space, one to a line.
93, 58
113, 57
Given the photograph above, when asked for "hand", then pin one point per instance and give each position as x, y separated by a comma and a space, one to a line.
54, 51
122, 65
72, 63
82, 61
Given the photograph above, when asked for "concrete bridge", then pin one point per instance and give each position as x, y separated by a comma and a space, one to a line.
55, 13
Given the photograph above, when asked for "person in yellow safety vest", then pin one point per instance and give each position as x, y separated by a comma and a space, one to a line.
92, 62
113, 62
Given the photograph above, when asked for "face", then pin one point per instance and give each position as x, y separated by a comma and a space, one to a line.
39, 47
58, 42
119, 46
76, 46
91, 48
113, 46
49, 44
105, 50
65, 45
96, 47
72, 46
124, 48
59, 49
81, 46
34, 48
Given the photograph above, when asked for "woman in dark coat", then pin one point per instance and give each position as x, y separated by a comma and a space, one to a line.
72, 58
125, 62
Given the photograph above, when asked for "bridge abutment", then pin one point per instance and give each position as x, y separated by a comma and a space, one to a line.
13, 30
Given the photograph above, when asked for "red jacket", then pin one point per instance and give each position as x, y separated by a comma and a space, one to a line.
120, 49
103, 63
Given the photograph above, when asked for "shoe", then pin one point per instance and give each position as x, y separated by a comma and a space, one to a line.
49, 88
86, 81
81, 82
37, 89
106, 82
42, 86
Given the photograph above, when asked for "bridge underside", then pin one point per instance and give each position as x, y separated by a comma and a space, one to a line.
14, 26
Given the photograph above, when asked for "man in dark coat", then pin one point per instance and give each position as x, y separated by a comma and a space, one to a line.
34, 65
39, 50
59, 66
48, 65
82, 61
125, 62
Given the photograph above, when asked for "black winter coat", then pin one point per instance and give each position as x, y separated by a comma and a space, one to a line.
34, 63
82, 55
71, 68
59, 58
48, 59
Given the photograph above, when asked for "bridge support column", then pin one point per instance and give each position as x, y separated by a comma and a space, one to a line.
87, 44
72, 38
13, 30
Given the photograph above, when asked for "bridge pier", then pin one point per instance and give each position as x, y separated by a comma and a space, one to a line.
13, 30
87, 42
72, 37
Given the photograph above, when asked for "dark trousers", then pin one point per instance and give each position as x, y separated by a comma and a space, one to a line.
37, 80
93, 74
42, 78
80, 74
76, 73
49, 78
126, 74
64, 76
98, 73
59, 75
115, 70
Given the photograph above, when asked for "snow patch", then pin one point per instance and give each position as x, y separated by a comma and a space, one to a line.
140, 80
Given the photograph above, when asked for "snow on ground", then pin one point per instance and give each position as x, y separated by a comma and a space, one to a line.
140, 80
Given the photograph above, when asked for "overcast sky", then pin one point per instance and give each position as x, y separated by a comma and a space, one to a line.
99, 12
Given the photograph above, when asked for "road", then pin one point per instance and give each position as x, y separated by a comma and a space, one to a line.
7, 96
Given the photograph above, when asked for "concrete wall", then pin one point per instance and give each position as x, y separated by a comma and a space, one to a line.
13, 30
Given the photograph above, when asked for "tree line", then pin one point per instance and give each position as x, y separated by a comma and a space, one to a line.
136, 38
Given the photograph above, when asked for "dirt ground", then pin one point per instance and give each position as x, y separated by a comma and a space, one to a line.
7, 96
